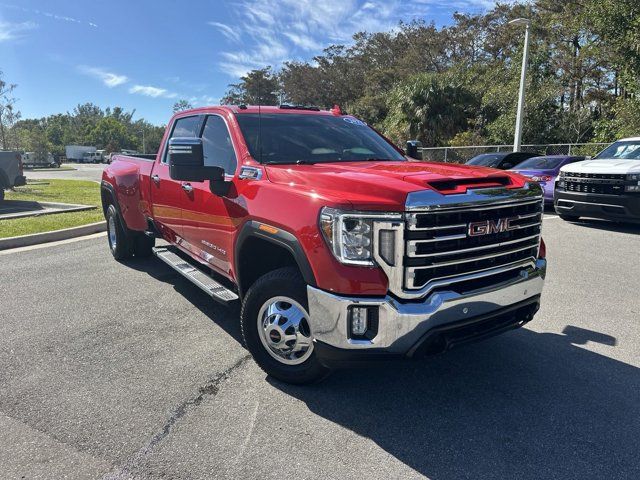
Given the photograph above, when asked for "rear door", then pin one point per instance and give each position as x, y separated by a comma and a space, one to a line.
211, 220
168, 195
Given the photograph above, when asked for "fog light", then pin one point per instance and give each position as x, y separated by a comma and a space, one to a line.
359, 321
388, 246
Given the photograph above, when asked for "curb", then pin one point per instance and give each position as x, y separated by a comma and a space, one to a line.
54, 236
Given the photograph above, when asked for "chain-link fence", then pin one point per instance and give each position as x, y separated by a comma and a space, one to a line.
462, 154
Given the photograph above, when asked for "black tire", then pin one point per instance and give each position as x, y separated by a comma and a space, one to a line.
1, 193
143, 245
285, 282
120, 244
569, 218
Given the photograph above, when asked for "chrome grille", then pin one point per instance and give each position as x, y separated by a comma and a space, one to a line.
439, 248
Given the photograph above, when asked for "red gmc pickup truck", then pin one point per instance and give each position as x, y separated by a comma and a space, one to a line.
340, 248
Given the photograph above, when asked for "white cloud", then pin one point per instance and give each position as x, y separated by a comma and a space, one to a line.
55, 16
274, 31
154, 92
110, 79
226, 30
12, 31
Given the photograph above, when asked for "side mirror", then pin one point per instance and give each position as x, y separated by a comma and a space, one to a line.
186, 161
412, 149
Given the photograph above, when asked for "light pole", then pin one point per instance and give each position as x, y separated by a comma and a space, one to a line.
517, 138
144, 150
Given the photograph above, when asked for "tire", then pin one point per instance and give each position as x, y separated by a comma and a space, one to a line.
569, 218
285, 291
143, 245
1, 193
120, 244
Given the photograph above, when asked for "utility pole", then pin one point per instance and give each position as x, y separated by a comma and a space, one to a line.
517, 138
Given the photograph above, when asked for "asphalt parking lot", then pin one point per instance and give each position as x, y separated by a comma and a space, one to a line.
119, 371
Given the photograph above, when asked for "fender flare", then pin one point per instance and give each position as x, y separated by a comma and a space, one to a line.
107, 187
281, 238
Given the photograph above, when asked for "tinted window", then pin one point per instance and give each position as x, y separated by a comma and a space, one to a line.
217, 146
486, 160
184, 127
628, 149
291, 138
541, 163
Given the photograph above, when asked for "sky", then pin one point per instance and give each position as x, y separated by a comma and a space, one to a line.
146, 55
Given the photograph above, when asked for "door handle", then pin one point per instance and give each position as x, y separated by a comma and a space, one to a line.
187, 187
156, 179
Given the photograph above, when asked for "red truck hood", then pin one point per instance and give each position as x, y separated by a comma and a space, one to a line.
385, 185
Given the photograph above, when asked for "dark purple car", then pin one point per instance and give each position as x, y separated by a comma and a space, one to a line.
544, 170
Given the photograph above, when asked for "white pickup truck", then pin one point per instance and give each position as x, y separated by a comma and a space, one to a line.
11, 174
605, 187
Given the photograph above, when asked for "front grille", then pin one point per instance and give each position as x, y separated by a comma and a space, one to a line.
599, 183
441, 250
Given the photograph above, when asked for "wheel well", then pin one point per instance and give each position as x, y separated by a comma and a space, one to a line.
258, 257
107, 199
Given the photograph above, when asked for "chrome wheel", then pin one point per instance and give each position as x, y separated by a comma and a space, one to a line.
111, 227
283, 327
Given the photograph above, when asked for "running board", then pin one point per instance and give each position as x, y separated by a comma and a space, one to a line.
195, 275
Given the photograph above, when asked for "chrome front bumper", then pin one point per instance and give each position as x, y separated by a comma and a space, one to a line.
402, 325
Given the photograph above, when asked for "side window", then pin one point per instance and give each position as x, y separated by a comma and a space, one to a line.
184, 127
217, 146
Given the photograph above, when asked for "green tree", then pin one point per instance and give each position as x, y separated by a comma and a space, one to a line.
182, 105
9, 115
429, 107
258, 87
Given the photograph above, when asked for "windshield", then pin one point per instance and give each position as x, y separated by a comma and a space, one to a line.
486, 160
291, 138
540, 163
629, 149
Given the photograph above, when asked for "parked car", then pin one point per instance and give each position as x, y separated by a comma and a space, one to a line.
544, 170
337, 246
11, 172
500, 160
92, 157
605, 187
35, 159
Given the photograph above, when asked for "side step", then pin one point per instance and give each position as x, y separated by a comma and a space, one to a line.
195, 275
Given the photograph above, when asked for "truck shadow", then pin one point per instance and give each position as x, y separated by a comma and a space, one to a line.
226, 317
609, 226
523, 405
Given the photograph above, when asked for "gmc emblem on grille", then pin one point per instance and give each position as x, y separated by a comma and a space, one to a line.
477, 229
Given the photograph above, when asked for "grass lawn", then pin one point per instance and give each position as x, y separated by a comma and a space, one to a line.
64, 191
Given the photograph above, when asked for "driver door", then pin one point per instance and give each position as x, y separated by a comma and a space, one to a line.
209, 220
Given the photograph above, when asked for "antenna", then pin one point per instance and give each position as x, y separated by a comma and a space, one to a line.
259, 123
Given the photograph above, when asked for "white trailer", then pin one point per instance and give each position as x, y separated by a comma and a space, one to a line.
75, 153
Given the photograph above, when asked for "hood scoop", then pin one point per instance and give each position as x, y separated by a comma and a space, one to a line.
461, 185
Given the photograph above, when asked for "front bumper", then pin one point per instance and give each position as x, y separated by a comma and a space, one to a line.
624, 208
437, 323
20, 181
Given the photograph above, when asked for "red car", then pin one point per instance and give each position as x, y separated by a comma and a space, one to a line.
339, 248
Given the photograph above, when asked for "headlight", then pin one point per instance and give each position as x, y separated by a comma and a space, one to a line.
635, 185
350, 234
541, 178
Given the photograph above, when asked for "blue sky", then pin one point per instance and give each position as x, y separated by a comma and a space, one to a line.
145, 55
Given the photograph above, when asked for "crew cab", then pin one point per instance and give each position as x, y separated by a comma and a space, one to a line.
605, 187
11, 171
339, 248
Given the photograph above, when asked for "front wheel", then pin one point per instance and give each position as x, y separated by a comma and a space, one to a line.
276, 329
